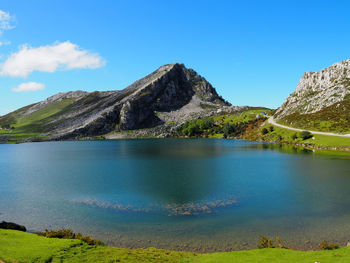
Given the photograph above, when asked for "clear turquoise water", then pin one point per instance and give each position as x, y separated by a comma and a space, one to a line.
201, 194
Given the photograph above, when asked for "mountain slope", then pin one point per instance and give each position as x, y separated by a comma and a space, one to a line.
334, 118
172, 93
318, 90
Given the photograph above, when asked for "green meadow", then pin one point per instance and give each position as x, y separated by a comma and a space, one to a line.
16, 246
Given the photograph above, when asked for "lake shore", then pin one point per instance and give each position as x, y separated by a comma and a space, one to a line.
16, 246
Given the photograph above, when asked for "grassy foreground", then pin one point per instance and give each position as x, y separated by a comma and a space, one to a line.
16, 246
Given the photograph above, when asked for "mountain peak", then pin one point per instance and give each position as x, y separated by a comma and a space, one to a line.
317, 90
166, 97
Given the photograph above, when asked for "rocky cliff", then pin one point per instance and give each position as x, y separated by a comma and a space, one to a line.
318, 90
170, 95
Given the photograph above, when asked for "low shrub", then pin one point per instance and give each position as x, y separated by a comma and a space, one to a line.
265, 242
279, 243
324, 245
228, 129
69, 234
305, 135
264, 131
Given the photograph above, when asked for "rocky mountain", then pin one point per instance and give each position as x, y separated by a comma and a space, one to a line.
165, 98
318, 90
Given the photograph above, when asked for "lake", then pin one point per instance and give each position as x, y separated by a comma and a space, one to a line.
184, 194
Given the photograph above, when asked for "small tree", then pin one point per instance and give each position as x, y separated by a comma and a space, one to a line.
193, 130
228, 129
264, 131
305, 135
207, 124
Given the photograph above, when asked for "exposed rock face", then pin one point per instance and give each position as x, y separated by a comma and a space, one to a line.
171, 94
168, 89
317, 90
174, 87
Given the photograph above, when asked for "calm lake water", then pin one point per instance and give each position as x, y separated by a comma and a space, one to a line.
200, 194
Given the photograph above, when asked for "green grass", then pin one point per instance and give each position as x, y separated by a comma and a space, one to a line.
16, 246
37, 121
329, 141
334, 118
224, 125
35, 124
282, 135
244, 116
277, 255
216, 135
112, 254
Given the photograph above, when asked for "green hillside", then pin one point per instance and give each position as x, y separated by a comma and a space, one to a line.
270, 133
36, 122
252, 125
17, 126
334, 118
223, 125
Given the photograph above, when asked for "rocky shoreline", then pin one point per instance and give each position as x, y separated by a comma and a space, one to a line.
163, 133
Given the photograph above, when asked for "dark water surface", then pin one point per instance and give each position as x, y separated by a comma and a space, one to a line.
201, 194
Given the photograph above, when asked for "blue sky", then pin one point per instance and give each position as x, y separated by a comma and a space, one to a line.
253, 52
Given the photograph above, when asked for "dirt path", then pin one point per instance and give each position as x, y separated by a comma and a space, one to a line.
272, 121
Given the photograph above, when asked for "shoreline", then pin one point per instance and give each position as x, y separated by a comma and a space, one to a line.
17, 246
309, 242
345, 150
309, 246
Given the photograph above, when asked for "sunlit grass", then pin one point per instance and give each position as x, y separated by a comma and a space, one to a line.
16, 246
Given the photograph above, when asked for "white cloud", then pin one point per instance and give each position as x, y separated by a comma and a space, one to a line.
60, 56
5, 21
29, 86
2, 43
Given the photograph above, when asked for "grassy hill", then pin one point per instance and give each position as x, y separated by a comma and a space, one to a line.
36, 122
334, 118
252, 125
17, 125
223, 125
269, 133
16, 246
